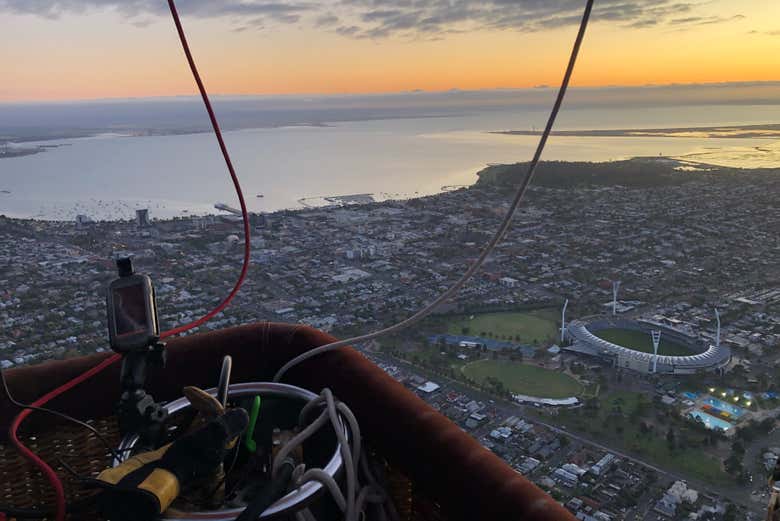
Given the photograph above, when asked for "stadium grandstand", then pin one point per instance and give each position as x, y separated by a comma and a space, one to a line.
586, 339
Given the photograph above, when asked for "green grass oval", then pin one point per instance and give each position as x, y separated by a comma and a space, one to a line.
640, 341
525, 379
529, 327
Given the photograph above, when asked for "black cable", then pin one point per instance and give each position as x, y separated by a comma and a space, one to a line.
59, 414
26, 513
276, 487
46, 513
235, 458
222, 481
34, 513
489, 247
268, 495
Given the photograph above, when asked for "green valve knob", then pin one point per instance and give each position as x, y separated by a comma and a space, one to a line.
249, 439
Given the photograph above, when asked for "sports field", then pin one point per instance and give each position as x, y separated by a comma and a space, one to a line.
525, 379
528, 327
640, 341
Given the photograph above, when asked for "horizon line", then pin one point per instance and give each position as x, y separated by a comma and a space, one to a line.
454, 90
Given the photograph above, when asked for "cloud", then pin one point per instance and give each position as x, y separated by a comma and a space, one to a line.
775, 32
326, 20
377, 19
705, 20
284, 11
384, 18
348, 30
641, 24
142, 22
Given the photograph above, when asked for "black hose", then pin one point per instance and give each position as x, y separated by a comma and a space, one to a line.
26, 513
272, 491
48, 512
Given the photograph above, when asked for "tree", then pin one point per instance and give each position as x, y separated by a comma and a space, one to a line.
617, 406
737, 448
733, 464
670, 439
465, 330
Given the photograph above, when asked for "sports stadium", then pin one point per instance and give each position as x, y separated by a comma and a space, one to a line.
627, 344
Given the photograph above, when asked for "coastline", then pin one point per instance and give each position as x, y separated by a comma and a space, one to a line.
637, 172
20, 152
8, 152
186, 131
768, 131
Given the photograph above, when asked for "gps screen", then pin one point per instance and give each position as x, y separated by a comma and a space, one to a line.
130, 310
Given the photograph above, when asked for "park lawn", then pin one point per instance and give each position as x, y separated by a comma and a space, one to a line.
525, 379
690, 461
531, 327
640, 341
693, 461
434, 357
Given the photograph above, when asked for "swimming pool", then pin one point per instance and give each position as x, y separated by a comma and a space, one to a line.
711, 422
734, 411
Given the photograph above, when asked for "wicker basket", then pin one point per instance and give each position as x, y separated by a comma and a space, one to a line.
22, 485
435, 469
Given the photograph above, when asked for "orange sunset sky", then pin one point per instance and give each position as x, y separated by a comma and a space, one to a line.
85, 49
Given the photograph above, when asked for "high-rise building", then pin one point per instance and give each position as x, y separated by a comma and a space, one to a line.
142, 218
82, 220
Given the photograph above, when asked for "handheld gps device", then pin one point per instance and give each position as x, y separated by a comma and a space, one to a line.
134, 332
132, 310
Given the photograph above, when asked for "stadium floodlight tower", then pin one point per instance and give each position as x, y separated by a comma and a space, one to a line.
717, 331
615, 288
563, 320
656, 335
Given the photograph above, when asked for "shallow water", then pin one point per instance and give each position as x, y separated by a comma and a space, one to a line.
109, 176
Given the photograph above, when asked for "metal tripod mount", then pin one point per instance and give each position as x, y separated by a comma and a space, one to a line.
138, 412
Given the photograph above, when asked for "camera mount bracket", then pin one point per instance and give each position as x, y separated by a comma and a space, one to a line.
137, 411
140, 348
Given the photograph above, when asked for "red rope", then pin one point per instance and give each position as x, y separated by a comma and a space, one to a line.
59, 491
55, 481
218, 133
